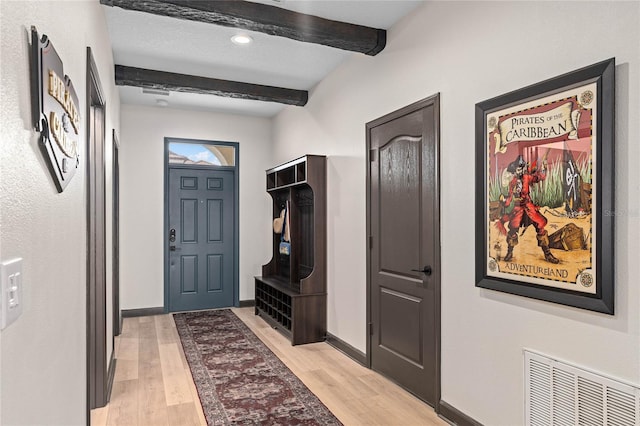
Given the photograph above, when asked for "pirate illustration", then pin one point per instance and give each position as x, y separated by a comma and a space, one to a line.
524, 212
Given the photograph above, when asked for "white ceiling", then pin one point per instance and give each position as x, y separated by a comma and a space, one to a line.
175, 45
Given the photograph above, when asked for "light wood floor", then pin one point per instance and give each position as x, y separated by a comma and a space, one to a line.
153, 384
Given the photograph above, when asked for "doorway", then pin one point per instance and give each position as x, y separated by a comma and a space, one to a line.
201, 232
115, 236
99, 370
403, 256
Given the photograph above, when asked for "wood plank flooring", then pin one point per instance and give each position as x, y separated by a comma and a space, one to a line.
153, 383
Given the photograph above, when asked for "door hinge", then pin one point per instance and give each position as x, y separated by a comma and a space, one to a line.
372, 155
370, 242
370, 329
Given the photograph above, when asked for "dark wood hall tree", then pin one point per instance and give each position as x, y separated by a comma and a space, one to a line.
291, 294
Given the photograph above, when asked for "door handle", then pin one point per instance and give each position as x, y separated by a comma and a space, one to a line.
174, 248
426, 270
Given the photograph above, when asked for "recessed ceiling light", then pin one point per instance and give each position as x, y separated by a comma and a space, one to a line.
241, 39
162, 102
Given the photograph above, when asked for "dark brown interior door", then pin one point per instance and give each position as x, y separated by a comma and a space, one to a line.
404, 279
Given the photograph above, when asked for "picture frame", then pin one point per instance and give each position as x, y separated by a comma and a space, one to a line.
545, 190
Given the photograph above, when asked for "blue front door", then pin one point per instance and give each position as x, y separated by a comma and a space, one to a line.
201, 239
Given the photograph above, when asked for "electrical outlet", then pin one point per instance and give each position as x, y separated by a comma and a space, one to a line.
11, 300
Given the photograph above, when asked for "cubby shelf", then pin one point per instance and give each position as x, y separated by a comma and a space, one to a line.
274, 303
291, 294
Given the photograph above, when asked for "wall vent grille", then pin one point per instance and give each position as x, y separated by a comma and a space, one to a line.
560, 394
155, 92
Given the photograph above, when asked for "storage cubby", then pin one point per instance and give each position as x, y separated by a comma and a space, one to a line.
301, 172
285, 177
275, 303
271, 180
291, 293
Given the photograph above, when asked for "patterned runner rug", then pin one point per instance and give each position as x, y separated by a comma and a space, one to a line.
239, 379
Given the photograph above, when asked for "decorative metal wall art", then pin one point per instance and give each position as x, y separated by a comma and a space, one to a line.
56, 113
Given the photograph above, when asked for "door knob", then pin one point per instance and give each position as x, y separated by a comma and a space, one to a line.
426, 270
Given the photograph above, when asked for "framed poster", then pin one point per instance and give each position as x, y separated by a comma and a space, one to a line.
544, 190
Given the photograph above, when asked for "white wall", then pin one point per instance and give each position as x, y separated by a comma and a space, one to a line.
43, 353
470, 52
142, 194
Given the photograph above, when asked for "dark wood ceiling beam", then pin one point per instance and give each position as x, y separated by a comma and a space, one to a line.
267, 19
160, 80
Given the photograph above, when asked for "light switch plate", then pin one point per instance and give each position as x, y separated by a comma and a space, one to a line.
11, 300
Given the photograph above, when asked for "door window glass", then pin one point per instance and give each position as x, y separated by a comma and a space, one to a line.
202, 154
